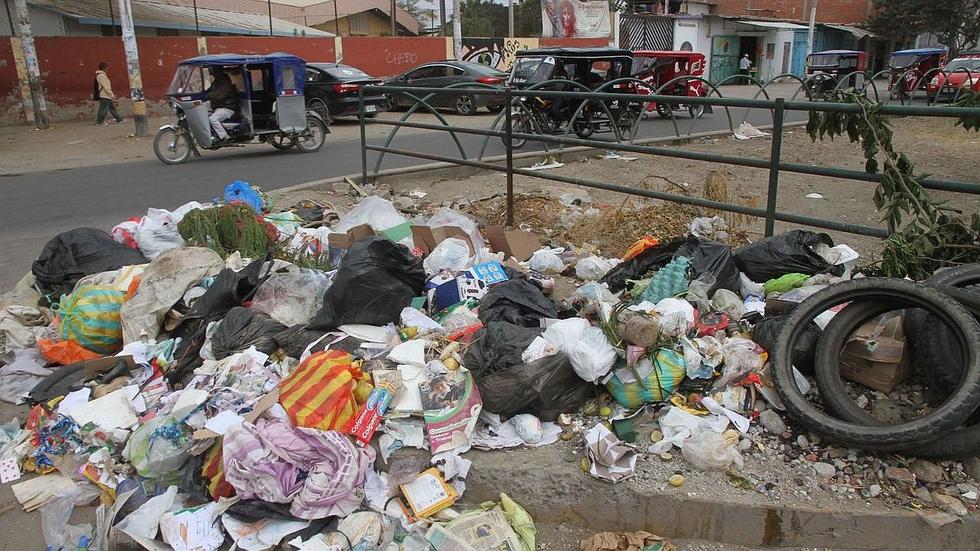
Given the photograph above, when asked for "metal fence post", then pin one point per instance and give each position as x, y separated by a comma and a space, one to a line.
777, 144
510, 156
360, 118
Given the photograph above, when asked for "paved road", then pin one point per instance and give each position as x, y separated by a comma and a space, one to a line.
37, 206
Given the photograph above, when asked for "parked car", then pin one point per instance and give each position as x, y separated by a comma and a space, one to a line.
961, 72
440, 74
331, 90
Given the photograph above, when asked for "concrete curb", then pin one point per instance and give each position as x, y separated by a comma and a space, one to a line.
561, 494
524, 159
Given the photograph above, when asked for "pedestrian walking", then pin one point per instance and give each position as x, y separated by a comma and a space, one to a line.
744, 65
102, 91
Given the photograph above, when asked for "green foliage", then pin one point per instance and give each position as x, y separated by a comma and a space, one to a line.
926, 233
227, 229
969, 98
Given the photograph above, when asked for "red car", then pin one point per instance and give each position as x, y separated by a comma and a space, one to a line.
962, 72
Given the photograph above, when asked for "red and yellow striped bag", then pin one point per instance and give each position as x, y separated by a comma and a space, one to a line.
320, 393
213, 470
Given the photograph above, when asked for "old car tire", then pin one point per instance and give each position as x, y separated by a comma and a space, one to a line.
281, 142
319, 106
391, 104
171, 155
465, 105
315, 137
888, 291
964, 442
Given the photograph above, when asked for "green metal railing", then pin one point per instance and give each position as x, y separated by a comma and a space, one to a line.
774, 164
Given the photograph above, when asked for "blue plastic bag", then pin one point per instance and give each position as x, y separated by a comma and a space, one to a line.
241, 192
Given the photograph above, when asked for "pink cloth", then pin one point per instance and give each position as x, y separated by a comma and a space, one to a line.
320, 472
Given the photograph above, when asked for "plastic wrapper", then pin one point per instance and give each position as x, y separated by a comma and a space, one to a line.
382, 216
293, 297
701, 356
546, 262
125, 232
786, 253
159, 448
450, 217
516, 301
58, 534
592, 268
709, 451
586, 346
242, 328
544, 388
450, 254
742, 356
376, 279
74, 254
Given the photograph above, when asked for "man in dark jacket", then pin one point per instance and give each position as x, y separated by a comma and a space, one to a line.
224, 101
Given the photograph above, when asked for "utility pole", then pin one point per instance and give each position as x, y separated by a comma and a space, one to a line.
457, 32
442, 17
269, 2
30, 58
336, 19
510, 18
133, 67
394, 27
813, 22
197, 24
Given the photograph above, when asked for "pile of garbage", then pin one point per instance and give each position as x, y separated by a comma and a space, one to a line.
225, 372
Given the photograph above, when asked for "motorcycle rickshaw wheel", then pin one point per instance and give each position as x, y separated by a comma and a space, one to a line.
583, 129
282, 142
695, 111
664, 110
171, 146
314, 137
521, 124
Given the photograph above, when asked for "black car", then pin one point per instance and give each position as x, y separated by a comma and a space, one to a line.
331, 89
440, 74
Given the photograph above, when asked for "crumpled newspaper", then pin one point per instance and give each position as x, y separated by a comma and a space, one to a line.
609, 459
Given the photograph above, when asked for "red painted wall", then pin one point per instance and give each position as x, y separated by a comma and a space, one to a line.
385, 57
9, 97
310, 49
828, 11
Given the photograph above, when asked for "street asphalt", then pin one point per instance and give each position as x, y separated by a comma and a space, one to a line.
39, 205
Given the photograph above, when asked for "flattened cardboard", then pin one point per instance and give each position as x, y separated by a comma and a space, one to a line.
427, 238
517, 243
345, 240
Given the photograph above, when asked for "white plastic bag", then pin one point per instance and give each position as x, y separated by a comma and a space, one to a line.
709, 451
595, 291
450, 254
292, 298
546, 262
678, 426
586, 346
728, 302
741, 357
592, 268
157, 232
450, 217
377, 213
677, 316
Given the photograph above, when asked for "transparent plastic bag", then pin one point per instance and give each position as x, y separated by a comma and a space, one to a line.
159, 447
700, 289
594, 291
451, 254
742, 356
58, 534
292, 298
157, 232
709, 451
381, 216
586, 346
728, 302
546, 262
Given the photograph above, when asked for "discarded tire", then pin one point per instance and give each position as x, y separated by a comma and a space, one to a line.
963, 442
950, 415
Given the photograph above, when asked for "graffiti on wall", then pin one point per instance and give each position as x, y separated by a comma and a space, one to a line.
496, 52
395, 57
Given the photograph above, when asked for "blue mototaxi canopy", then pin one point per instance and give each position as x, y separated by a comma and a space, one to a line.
837, 52
921, 51
288, 70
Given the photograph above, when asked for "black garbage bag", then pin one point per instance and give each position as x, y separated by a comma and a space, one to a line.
517, 301
294, 340
711, 257
230, 289
787, 253
637, 267
376, 279
243, 328
765, 332
544, 388
74, 254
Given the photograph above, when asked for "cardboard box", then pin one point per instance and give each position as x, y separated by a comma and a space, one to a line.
877, 356
345, 240
517, 243
427, 238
